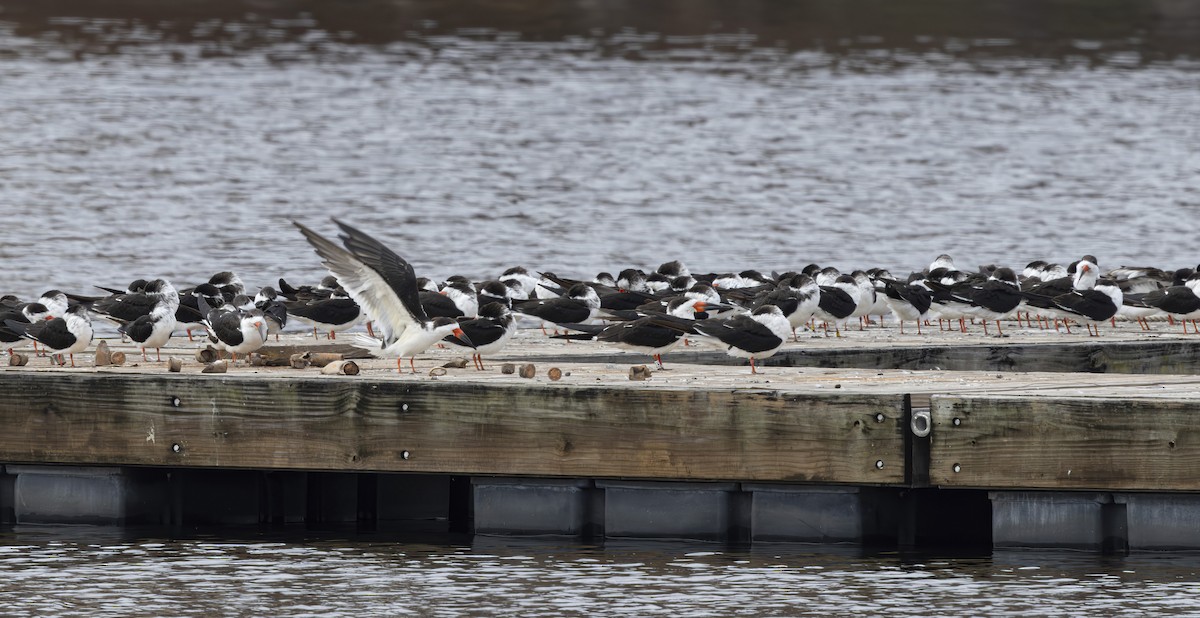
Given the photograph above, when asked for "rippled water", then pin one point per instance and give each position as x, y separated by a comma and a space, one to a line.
47, 572
146, 140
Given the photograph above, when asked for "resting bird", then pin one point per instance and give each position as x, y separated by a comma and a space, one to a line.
66, 335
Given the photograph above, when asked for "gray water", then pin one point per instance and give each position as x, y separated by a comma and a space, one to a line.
52, 572
143, 138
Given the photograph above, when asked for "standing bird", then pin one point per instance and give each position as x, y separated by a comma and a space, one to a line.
236, 330
66, 335
1093, 306
578, 305
996, 298
755, 336
335, 313
385, 286
489, 332
909, 301
654, 334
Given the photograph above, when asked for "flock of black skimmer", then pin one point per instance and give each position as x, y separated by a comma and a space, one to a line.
748, 314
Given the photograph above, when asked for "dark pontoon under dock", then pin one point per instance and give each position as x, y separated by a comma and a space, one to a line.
893, 452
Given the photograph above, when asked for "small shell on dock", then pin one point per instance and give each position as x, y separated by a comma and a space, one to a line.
18, 360
437, 371
528, 371
117, 358
174, 365
639, 373
508, 368
216, 367
555, 374
208, 355
103, 356
299, 361
458, 363
341, 367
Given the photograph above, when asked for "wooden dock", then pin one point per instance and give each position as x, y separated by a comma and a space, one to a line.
857, 423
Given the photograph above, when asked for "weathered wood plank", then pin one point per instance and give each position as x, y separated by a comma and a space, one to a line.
1160, 356
340, 423
1024, 442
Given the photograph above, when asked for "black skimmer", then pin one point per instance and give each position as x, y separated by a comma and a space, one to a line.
1178, 302
755, 336
996, 298
235, 330
527, 281
66, 335
1042, 295
324, 289
496, 292
228, 284
188, 315
837, 303
1093, 306
26, 313
942, 261
126, 307
152, 330
385, 286
909, 301
457, 299
654, 335
274, 310
488, 333
580, 304
336, 313
797, 296
56, 302
866, 297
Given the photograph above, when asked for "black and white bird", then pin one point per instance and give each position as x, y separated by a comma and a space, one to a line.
996, 299
234, 329
188, 316
26, 313
456, 299
757, 335
1180, 302
274, 310
333, 314
385, 286
580, 304
838, 302
152, 330
797, 296
489, 332
1099, 304
653, 335
67, 335
147, 317
909, 301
